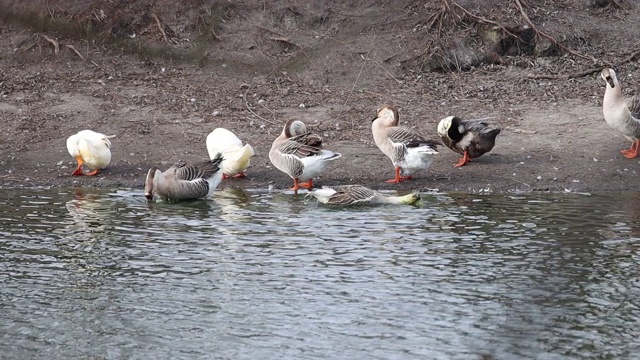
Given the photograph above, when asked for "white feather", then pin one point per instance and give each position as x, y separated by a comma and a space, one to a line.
93, 148
315, 165
237, 158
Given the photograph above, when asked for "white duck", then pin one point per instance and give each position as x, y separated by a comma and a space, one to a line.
407, 149
620, 113
358, 195
90, 148
184, 182
237, 157
299, 154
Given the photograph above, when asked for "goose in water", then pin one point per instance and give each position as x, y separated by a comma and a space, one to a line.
184, 182
359, 195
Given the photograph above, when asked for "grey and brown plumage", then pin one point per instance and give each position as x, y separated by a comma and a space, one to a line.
622, 114
349, 195
184, 182
469, 138
299, 154
407, 149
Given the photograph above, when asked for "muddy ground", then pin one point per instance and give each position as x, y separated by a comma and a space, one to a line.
250, 66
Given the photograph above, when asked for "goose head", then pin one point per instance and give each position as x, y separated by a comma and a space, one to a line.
451, 126
609, 76
387, 115
149, 183
294, 128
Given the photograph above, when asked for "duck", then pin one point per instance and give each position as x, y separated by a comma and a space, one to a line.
469, 138
183, 181
622, 114
359, 195
299, 154
408, 150
91, 149
237, 157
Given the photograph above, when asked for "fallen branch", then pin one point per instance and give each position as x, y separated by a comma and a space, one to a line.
483, 19
587, 72
160, 27
75, 50
56, 44
549, 37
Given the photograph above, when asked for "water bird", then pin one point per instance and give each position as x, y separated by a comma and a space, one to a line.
184, 182
359, 195
622, 114
299, 154
408, 150
237, 157
91, 149
469, 138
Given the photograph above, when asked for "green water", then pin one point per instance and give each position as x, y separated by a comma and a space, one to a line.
260, 275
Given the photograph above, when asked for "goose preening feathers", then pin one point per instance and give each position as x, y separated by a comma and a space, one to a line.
358, 195
91, 149
469, 138
184, 182
622, 114
237, 157
407, 149
300, 155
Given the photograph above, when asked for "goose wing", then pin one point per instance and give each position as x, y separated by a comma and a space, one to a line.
301, 145
633, 103
350, 195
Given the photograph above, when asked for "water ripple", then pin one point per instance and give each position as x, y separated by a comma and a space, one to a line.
88, 273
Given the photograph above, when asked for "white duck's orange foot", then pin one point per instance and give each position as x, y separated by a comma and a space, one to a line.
92, 173
78, 171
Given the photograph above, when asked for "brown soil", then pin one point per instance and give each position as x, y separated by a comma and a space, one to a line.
250, 66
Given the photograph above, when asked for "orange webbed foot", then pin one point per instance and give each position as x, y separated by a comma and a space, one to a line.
464, 161
92, 173
240, 175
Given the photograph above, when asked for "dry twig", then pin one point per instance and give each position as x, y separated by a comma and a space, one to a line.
160, 27
56, 44
585, 72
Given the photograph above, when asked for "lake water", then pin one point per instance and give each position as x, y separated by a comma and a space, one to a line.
267, 275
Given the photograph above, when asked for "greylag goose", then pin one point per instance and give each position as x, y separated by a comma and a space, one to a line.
237, 157
622, 114
358, 195
407, 149
90, 148
469, 138
184, 182
300, 155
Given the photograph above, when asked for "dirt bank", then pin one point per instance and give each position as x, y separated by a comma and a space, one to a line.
329, 65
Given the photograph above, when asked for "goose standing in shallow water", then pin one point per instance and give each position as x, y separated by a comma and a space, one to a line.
299, 154
90, 148
620, 113
469, 138
237, 157
359, 195
184, 182
408, 150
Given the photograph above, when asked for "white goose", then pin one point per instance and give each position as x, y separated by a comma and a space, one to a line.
237, 157
299, 154
620, 113
184, 182
90, 148
408, 150
359, 195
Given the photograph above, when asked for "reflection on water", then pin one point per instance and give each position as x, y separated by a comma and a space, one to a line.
268, 275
